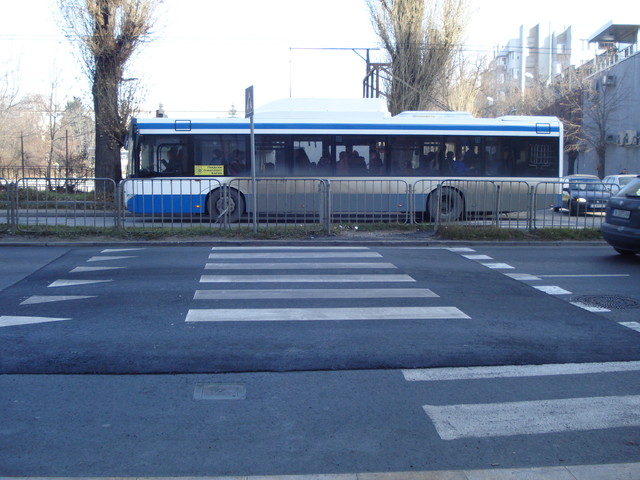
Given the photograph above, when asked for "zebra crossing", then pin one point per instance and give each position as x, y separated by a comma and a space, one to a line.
529, 417
352, 282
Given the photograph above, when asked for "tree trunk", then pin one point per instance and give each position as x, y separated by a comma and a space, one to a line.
601, 151
105, 101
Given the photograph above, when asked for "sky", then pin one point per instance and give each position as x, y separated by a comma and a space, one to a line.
205, 53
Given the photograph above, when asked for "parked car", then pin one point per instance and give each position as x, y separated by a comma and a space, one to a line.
621, 228
616, 182
583, 193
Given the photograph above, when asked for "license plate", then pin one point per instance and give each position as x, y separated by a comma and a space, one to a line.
621, 214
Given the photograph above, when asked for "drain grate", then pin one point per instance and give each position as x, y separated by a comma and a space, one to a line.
612, 302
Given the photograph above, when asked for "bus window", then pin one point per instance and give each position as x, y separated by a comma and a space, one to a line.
497, 157
271, 156
312, 156
360, 156
219, 155
534, 157
166, 155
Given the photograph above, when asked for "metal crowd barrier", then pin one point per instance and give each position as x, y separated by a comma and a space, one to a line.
58, 203
172, 204
4, 205
284, 203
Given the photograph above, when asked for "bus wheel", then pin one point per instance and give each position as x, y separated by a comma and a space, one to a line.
232, 205
451, 205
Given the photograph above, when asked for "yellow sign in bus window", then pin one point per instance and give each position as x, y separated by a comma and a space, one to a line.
209, 170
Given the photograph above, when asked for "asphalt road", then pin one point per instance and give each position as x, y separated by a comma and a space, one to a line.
180, 361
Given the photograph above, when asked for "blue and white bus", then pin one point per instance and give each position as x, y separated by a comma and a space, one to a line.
369, 161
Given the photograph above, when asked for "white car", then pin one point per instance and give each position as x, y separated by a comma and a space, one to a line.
615, 182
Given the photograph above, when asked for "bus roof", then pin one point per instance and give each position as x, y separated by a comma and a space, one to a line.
352, 117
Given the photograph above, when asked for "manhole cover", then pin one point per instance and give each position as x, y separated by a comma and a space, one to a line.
612, 302
219, 391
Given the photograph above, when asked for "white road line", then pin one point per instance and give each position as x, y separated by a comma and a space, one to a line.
254, 255
296, 265
590, 308
586, 276
478, 257
534, 417
460, 249
92, 269
12, 321
522, 276
73, 283
263, 294
284, 247
516, 371
632, 325
322, 314
497, 266
109, 258
34, 299
304, 278
552, 289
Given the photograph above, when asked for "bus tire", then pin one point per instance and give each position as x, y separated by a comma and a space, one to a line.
451, 205
217, 204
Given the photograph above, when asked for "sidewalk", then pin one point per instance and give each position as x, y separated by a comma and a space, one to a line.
623, 471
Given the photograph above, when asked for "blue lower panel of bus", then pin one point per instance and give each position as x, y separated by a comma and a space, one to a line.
167, 204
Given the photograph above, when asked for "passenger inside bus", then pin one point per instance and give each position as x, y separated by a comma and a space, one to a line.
376, 167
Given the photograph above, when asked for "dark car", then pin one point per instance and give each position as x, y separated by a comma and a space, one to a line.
621, 228
584, 193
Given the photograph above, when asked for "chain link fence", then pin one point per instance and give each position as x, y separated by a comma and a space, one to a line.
280, 204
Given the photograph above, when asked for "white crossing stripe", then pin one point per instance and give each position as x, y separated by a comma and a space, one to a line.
516, 371
92, 269
276, 294
73, 283
254, 255
478, 257
453, 422
552, 289
114, 250
460, 249
522, 276
497, 266
632, 325
304, 278
34, 299
109, 258
296, 265
321, 314
590, 308
286, 247
12, 321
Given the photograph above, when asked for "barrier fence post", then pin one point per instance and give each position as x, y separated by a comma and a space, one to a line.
118, 198
12, 206
412, 203
497, 211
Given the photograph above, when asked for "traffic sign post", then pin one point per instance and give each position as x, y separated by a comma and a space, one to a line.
248, 113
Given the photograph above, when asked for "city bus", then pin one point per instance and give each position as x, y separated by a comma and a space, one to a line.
354, 151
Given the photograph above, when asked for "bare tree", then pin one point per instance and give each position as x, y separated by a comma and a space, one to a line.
420, 39
587, 106
461, 88
107, 33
